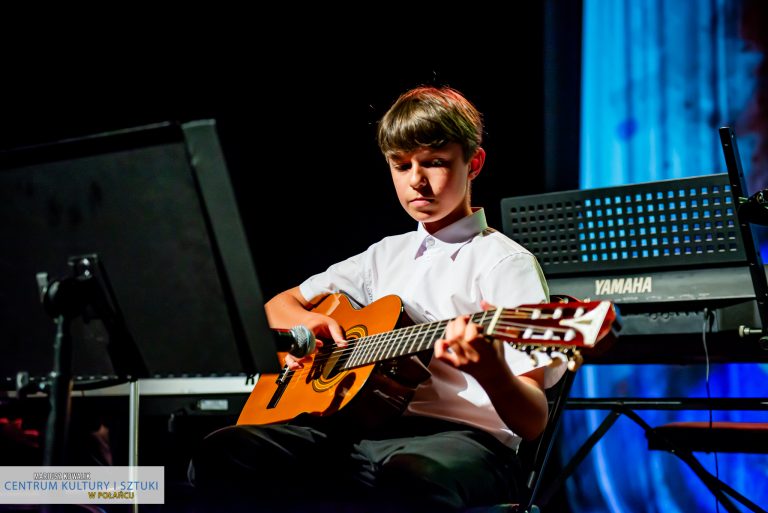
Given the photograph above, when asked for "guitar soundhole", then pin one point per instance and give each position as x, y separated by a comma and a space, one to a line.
327, 375
333, 362
334, 358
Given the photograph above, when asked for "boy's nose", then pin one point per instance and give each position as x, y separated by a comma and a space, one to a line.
417, 176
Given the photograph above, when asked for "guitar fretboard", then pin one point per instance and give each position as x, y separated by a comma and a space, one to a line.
529, 328
404, 341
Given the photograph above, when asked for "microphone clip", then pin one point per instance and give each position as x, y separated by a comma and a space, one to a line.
754, 209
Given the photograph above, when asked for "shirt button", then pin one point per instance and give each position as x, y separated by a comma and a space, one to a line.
429, 242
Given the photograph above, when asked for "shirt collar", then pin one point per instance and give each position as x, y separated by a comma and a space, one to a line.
451, 238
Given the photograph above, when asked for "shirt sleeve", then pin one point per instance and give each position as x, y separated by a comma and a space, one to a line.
515, 280
347, 276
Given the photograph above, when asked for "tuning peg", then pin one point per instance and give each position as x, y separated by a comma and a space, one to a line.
575, 361
557, 360
534, 359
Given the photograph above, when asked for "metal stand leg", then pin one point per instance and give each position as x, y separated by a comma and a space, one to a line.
724, 493
719, 489
133, 430
578, 457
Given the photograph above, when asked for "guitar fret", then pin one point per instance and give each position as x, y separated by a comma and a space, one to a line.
417, 342
382, 349
369, 343
436, 330
429, 337
356, 348
404, 348
356, 345
390, 347
426, 337
400, 348
494, 320
373, 346
414, 341
482, 321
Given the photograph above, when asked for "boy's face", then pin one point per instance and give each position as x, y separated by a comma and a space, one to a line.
432, 184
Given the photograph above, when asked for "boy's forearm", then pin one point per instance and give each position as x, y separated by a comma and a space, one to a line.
520, 402
284, 310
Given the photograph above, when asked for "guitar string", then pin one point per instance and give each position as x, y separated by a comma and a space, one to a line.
316, 364
371, 346
503, 321
387, 338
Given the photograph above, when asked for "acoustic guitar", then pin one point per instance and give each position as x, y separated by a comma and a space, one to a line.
375, 374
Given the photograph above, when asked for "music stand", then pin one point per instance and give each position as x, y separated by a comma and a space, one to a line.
157, 205
750, 210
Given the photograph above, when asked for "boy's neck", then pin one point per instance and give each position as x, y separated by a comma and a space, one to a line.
433, 228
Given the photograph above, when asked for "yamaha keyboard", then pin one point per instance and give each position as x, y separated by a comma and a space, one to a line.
671, 255
663, 314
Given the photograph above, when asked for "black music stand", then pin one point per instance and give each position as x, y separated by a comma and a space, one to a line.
156, 203
749, 210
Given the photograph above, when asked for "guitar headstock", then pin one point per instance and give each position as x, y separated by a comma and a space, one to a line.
564, 328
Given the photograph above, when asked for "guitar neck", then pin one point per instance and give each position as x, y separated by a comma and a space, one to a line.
528, 327
405, 341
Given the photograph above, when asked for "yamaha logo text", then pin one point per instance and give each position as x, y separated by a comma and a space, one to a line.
614, 286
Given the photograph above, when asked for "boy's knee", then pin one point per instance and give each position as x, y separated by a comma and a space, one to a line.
212, 458
421, 480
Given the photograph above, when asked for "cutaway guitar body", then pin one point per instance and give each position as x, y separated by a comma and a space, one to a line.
325, 386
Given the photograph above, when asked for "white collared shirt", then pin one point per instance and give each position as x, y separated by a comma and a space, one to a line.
438, 277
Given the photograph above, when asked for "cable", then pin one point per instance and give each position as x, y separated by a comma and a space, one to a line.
707, 326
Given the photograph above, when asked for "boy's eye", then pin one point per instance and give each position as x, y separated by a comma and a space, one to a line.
437, 163
401, 167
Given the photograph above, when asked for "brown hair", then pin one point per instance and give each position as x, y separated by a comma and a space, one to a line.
430, 117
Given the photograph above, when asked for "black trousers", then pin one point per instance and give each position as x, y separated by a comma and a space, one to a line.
319, 464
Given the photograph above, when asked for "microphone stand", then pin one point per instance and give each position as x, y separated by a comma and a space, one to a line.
87, 293
63, 301
59, 397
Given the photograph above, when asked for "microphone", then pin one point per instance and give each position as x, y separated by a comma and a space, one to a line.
298, 341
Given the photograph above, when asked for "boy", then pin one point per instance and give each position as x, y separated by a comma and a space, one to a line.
455, 445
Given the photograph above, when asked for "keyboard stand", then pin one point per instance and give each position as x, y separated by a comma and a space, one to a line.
627, 407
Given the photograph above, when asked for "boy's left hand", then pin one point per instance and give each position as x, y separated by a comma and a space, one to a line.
466, 348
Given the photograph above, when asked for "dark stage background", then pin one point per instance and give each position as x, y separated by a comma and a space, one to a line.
298, 127
297, 113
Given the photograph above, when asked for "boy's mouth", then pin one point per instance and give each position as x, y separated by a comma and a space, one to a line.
417, 202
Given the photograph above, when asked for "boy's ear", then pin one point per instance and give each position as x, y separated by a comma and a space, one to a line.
476, 163
474, 166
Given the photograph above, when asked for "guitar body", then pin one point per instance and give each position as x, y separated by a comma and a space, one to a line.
320, 388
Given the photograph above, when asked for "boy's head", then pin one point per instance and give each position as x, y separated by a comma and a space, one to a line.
430, 117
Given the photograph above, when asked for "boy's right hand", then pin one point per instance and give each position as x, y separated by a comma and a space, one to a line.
324, 327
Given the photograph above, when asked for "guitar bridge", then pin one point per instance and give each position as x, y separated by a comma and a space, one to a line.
282, 383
